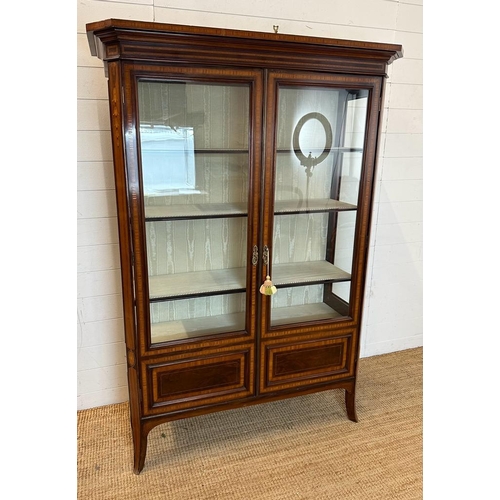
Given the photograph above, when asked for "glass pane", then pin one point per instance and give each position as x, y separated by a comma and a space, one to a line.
196, 317
194, 161
320, 139
302, 303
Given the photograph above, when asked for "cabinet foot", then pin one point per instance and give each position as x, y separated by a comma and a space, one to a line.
350, 404
140, 447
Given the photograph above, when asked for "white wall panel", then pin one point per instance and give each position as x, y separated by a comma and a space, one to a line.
98, 258
410, 18
83, 56
392, 318
399, 233
102, 378
407, 71
401, 168
406, 96
412, 44
381, 332
403, 145
400, 212
94, 204
97, 231
401, 190
398, 254
397, 272
91, 83
101, 397
93, 145
100, 308
394, 302
92, 357
264, 24
95, 175
93, 114
404, 121
97, 333
95, 283
141, 2
90, 11
410, 2
375, 13
377, 349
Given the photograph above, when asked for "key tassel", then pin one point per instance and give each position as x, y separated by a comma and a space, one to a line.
268, 288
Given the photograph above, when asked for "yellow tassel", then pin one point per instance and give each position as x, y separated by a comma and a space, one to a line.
268, 288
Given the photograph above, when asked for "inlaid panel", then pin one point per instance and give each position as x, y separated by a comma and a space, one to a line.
307, 362
188, 382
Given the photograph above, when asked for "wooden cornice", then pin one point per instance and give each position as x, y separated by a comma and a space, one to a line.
118, 39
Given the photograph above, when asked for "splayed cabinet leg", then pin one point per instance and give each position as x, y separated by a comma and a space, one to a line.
140, 447
350, 404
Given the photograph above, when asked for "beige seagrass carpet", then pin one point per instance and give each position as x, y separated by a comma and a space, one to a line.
300, 448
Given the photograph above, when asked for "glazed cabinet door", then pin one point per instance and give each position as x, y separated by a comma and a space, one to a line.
193, 157
318, 177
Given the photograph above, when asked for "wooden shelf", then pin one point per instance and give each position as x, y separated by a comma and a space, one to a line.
197, 327
301, 313
305, 206
298, 273
197, 283
197, 211
222, 281
234, 209
306, 151
209, 151
213, 325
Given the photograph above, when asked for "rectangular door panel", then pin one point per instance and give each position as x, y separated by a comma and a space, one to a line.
316, 204
185, 382
194, 206
306, 362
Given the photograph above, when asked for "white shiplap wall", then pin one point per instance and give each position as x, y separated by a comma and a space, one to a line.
393, 303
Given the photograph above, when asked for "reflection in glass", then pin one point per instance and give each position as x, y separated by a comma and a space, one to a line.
196, 317
302, 303
162, 146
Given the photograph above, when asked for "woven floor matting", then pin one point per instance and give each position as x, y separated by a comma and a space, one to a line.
300, 448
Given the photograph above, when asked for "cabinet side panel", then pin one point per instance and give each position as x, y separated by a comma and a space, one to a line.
115, 101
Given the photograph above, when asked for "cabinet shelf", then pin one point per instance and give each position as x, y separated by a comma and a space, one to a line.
209, 210
311, 205
197, 283
223, 281
195, 211
300, 313
211, 151
304, 273
197, 327
339, 149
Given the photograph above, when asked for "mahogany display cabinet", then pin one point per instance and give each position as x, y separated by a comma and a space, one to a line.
244, 169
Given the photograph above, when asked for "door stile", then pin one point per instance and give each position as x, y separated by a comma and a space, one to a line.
257, 98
